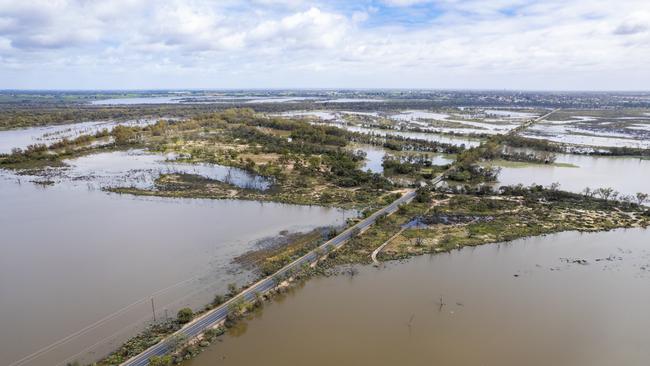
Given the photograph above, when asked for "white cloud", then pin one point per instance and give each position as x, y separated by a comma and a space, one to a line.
470, 43
405, 2
309, 29
360, 16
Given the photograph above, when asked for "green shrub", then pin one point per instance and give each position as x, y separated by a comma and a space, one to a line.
185, 315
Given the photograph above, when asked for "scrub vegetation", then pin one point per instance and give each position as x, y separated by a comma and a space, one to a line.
308, 164
317, 164
435, 221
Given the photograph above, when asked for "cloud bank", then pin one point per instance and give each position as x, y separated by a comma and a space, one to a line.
495, 44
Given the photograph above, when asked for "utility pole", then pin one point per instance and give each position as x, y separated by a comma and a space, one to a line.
153, 309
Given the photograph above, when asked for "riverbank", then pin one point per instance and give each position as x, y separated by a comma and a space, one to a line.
523, 302
314, 165
448, 222
182, 250
306, 164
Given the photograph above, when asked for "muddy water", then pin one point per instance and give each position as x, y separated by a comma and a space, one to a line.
624, 174
447, 139
551, 313
70, 257
375, 157
139, 168
21, 138
566, 132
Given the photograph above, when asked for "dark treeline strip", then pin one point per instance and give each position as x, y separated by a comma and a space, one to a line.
15, 117
525, 142
331, 135
544, 145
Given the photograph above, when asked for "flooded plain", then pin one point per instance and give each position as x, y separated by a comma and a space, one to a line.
374, 157
425, 121
97, 259
520, 303
139, 168
499, 123
634, 136
71, 257
23, 137
446, 139
627, 175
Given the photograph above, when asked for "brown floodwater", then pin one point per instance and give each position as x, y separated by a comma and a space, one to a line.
627, 175
520, 303
76, 261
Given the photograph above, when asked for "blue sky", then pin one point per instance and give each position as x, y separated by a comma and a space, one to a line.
493, 44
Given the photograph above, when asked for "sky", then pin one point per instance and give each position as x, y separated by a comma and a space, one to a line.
431, 44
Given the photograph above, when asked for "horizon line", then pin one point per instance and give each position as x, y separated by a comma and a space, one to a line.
4, 90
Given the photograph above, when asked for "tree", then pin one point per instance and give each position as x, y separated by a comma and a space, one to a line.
123, 135
159, 128
176, 341
218, 300
184, 315
278, 278
314, 163
232, 289
422, 195
605, 193
331, 233
236, 307
641, 198
160, 360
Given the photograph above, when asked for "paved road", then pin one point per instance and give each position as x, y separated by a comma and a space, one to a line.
219, 314
525, 125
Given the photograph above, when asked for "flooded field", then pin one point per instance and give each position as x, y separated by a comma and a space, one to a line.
583, 130
447, 139
627, 175
463, 122
527, 302
138, 168
374, 157
80, 267
99, 257
456, 121
608, 128
483, 121
562, 135
21, 138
